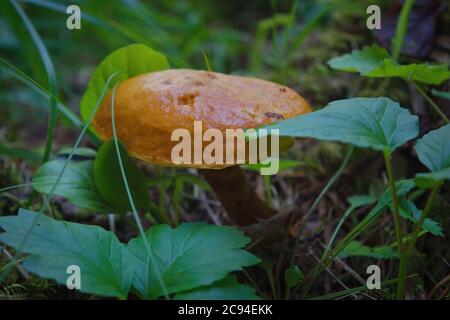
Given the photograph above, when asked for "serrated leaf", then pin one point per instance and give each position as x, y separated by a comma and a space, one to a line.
377, 123
187, 257
226, 289
76, 185
109, 181
376, 62
356, 248
130, 61
409, 211
402, 187
55, 245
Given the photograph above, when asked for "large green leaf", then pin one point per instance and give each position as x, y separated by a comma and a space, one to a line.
187, 257
109, 181
433, 150
226, 289
378, 123
130, 61
55, 245
377, 63
76, 185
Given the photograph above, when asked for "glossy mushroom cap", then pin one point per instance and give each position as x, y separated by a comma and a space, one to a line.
150, 106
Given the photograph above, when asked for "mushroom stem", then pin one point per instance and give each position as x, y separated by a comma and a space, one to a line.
243, 205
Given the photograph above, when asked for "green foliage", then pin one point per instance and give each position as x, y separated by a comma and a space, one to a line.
76, 185
109, 182
191, 256
293, 276
130, 61
226, 289
55, 245
377, 123
376, 62
409, 211
433, 150
356, 248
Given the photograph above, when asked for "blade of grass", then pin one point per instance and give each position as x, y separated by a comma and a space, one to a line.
49, 69
401, 28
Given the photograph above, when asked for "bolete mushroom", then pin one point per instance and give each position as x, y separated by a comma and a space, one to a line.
149, 107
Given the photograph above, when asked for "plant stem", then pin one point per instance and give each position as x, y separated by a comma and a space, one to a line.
412, 242
431, 102
398, 228
401, 28
395, 206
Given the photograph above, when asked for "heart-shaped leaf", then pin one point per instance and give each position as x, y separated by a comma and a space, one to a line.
377, 123
433, 150
190, 256
226, 289
109, 181
377, 63
76, 185
56, 245
130, 61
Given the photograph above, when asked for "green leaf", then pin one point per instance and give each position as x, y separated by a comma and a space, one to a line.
409, 211
109, 181
284, 164
130, 61
226, 289
356, 248
357, 201
378, 123
377, 63
362, 61
402, 187
433, 150
76, 184
187, 257
55, 245
293, 276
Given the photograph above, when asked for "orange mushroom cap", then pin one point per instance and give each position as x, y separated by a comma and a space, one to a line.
150, 106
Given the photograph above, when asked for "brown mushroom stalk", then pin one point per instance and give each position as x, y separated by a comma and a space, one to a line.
149, 107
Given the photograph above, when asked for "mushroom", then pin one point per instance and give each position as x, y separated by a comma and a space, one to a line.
149, 107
